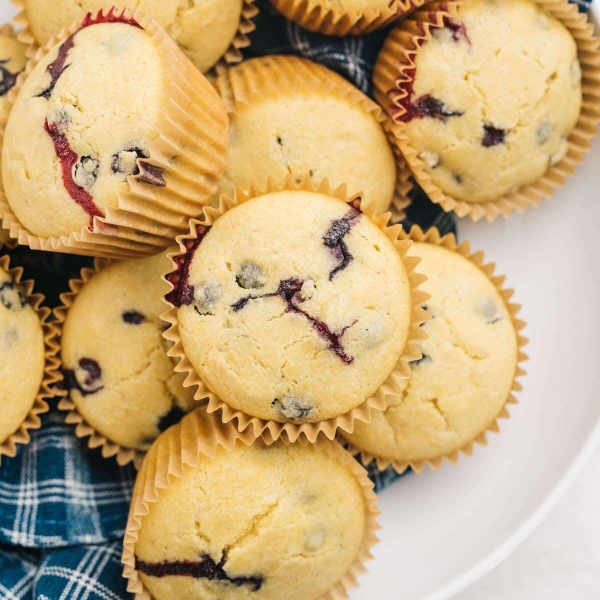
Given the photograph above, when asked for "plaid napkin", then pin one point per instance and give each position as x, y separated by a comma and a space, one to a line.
63, 508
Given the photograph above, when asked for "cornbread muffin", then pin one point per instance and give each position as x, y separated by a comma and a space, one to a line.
22, 356
293, 306
496, 94
256, 522
204, 30
131, 395
86, 128
467, 371
12, 62
312, 126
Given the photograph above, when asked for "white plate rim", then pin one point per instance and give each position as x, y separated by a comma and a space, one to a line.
493, 559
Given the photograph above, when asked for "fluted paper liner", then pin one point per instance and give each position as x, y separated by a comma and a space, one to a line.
50, 376
148, 217
395, 68
83, 429
7, 30
331, 19
279, 76
362, 412
201, 434
241, 40
6, 241
432, 236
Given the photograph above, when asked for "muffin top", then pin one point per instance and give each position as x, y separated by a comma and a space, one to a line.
312, 127
22, 356
466, 374
495, 96
12, 62
80, 125
133, 394
293, 306
252, 523
204, 30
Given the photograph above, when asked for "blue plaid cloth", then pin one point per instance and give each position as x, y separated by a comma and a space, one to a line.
63, 508
81, 572
57, 493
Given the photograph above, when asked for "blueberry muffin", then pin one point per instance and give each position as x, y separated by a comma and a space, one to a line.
22, 355
12, 62
344, 17
263, 522
491, 100
291, 116
462, 383
204, 30
128, 396
96, 141
293, 306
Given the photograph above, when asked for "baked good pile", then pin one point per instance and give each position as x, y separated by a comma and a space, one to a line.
260, 322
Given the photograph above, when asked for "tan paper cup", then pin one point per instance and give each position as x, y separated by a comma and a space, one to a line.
232, 55
6, 241
292, 431
83, 429
201, 434
278, 77
147, 217
432, 236
51, 375
331, 19
394, 71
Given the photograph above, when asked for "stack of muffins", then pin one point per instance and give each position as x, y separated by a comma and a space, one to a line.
257, 320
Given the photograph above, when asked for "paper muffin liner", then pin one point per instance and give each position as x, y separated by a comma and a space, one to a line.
83, 429
328, 427
201, 434
7, 30
394, 72
6, 241
332, 19
51, 375
147, 217
232, 55
279, 76
432, 236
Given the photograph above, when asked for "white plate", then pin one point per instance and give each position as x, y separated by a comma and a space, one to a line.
442, 531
